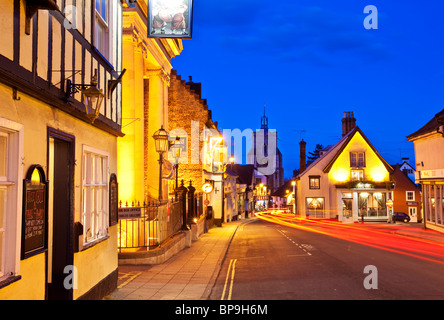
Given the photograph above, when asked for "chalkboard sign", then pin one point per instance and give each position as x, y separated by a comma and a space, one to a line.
35, 221
113, 200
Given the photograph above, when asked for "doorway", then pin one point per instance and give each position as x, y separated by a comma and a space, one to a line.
413, 214
60, 214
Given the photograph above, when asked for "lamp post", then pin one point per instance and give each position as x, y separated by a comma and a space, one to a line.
177, 149
293, 183
161, 142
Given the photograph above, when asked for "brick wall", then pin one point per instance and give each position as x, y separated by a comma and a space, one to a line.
184, 106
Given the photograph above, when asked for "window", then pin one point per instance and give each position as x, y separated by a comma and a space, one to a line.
372, 204
11, 152
357, 175
95, 217
410, 195
314, 182
101, 28
357, 159
315, 207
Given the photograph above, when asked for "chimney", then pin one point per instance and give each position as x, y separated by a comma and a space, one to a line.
348, 123
302, 163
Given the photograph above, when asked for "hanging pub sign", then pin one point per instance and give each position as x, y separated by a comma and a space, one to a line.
170, 18
35, 212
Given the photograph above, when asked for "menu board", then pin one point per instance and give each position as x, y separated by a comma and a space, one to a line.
34, 233
34, 217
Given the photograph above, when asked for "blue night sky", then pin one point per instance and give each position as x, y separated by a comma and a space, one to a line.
309, 61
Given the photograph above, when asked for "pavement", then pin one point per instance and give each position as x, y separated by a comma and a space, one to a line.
189, 275
192, 273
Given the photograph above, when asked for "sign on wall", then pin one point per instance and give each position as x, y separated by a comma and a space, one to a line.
35, 212
130, 213
170, 18
113, 200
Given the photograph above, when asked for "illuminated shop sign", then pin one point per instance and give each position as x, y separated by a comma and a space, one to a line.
170, 18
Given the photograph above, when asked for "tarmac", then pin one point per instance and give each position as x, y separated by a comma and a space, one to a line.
192, 273
188, 275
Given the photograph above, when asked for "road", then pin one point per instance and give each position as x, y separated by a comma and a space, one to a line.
280, 258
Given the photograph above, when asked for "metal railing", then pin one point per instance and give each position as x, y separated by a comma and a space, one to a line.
157, 222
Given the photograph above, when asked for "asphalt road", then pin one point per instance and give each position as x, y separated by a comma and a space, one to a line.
268, 261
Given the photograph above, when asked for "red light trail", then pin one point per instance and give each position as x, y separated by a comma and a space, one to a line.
382, 237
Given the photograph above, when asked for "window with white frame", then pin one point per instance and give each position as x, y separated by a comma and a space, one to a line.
95, 206
101, 27
410, 195
11, 152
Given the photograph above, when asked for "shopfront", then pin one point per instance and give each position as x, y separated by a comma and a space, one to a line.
367, 205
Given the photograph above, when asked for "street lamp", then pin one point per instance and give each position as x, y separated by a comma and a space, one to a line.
92, 96
293, 183
161, 142
177, 148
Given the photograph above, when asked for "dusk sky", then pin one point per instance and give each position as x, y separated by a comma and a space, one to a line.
309, 61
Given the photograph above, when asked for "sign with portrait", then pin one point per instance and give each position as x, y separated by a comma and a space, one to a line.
35, 212
170, 18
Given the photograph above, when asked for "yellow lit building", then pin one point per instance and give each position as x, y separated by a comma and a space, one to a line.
145, 105
58, 231
429, 146
349, 181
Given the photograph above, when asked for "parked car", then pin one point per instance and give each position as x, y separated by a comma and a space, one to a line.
401, 216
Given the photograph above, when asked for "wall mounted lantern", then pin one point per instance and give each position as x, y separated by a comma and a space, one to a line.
92, 96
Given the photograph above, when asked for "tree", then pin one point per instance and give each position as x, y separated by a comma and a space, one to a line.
315, 154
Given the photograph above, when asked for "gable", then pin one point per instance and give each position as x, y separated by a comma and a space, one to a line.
375, 168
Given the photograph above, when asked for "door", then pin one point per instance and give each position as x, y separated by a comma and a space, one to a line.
61, 218
347, 210
413, 214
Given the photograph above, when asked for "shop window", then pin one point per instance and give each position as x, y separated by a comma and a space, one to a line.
314, 182
315, 207
357, 159
372, 204
95, 194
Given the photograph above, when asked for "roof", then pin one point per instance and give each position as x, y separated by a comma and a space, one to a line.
281, 191
325, 154
429, 127
342, 144
349, 137
245, 172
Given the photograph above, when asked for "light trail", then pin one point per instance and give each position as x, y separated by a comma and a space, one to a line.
429, 250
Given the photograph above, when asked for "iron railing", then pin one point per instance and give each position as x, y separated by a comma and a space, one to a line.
157, 222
